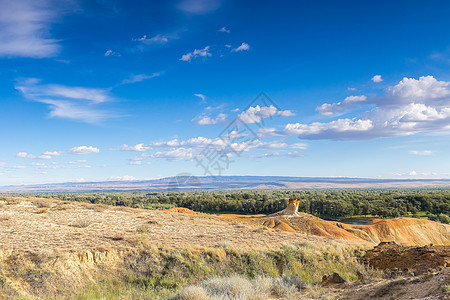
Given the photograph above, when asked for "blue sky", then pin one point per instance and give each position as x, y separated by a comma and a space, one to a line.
122, 90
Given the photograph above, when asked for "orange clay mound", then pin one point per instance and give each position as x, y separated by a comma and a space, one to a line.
277, 224
183, 210
403, 231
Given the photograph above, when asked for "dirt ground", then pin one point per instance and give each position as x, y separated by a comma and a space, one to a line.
38, 224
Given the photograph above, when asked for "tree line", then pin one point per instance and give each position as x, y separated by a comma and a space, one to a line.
435, 204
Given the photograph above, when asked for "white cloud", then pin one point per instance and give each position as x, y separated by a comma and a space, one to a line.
23, 155
278, 154
111, 53
224, 29
421, 152
79, 161
139, 78
425, 90
410, 107
351, 89
175, 154
207, 120
53, 153
122, 178
25, 28
327, 109
269, 132
78, 103
19, 167
157, 39
413, 173
201, 96
196, 53
286, 113
377, 78
341, 127
2, 164
31, 89
45, 155
138, 148
81, 150
256, 114
242, 47
198, 7
301, 146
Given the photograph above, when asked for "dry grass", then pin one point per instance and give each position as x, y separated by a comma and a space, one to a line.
138, 254
79, 226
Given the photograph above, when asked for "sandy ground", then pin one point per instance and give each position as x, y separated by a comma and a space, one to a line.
43, 224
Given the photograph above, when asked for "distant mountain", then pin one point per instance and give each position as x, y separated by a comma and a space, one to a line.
229, 183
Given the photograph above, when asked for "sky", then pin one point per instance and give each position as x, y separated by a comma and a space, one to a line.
131, 90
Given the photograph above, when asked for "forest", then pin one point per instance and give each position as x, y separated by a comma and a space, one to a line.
431, 204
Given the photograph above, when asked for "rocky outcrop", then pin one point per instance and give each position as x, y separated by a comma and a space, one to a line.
394, 257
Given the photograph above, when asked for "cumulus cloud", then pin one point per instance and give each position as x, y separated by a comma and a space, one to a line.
78, 103
175, 154
81, 150
242, 47
412, 106
377, 78
139, 78
342, 127
256, 114
286, 113
25, 28
137, 148
327, 109
207, 120
45, 155
196, 53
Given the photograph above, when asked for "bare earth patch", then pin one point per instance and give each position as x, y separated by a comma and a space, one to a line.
79, 226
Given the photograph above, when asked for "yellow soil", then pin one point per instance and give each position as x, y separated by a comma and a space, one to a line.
403, 231
33, 224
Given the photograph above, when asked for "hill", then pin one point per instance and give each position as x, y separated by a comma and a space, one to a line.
229, 183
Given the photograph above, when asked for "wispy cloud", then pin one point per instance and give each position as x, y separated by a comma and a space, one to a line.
421, 152
224, 29
196, 53
327, 109
140, 77
111, 53
198, 7
157, 39
242, 47
25, 28
78, 103
202, 97
281, 154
